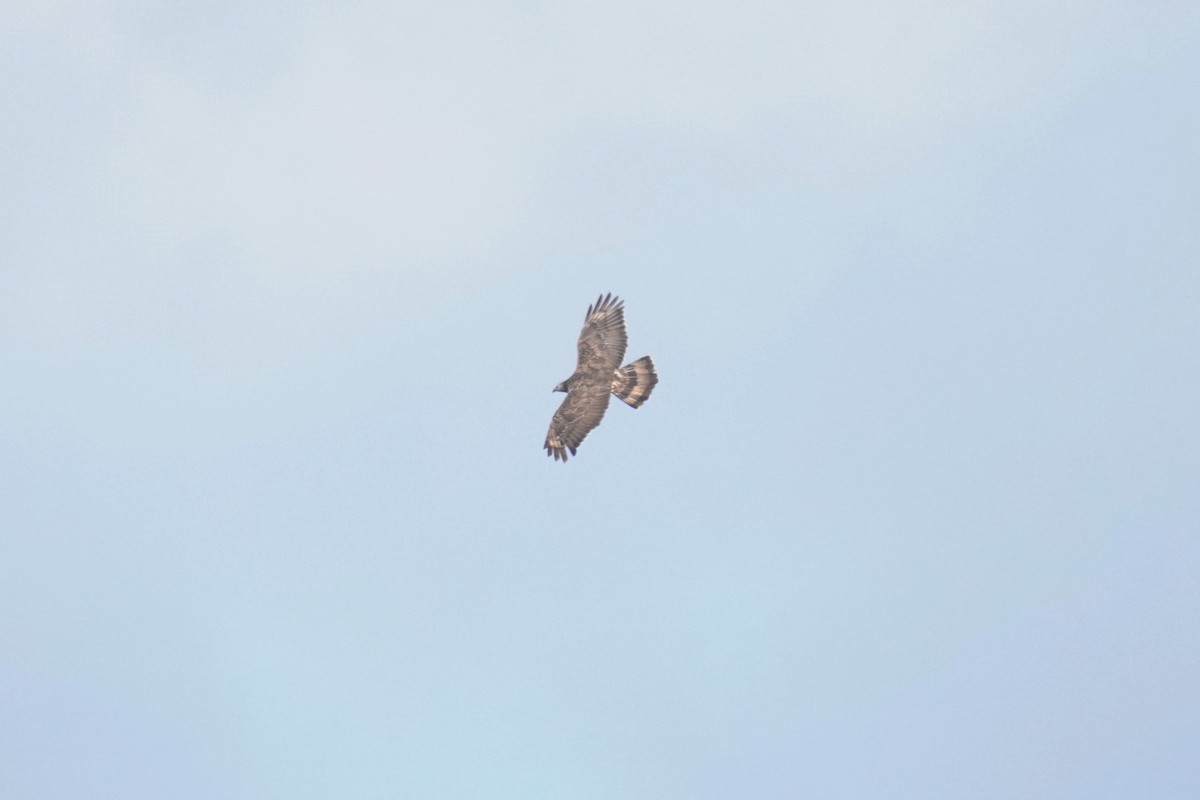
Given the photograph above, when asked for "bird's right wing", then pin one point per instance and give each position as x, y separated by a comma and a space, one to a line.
579, 413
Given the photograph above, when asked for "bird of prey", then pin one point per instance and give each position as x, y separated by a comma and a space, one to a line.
598, 373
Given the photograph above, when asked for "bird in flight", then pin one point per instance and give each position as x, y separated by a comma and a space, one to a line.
597, 374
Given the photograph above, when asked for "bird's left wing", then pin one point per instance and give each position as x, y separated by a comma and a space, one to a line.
602, 340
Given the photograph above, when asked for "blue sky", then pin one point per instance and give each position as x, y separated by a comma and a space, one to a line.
284, 289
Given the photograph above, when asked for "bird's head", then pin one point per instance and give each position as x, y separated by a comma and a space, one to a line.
562, 387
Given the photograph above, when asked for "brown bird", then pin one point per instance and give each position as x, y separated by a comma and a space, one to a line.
597, 374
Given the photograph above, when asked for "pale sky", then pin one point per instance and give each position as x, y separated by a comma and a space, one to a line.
913, 512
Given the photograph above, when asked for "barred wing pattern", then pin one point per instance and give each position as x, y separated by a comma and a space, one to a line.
597, 374
576, 417
602, 340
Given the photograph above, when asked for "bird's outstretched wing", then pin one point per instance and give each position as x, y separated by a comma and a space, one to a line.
602, 340
579, 413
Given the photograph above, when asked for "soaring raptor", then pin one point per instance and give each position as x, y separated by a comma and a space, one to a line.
599, 372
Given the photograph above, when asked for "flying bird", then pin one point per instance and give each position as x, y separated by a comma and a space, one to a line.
597, 374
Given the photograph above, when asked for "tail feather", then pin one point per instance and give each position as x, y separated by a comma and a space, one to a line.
634, 382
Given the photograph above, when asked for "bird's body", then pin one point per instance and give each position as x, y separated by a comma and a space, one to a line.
598, 373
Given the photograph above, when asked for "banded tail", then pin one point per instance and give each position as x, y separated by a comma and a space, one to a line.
634, 382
